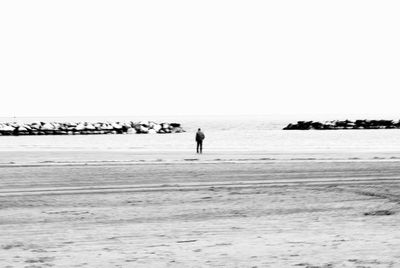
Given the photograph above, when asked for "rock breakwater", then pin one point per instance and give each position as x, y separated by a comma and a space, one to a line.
86, 128
343, 124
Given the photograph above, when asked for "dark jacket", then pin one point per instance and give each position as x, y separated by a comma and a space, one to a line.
200, 136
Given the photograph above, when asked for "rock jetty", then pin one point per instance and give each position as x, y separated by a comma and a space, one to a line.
343, 124
86, 128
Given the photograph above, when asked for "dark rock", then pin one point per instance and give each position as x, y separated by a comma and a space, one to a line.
344, 124
317, 125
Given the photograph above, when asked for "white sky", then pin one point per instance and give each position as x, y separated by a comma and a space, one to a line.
68, 58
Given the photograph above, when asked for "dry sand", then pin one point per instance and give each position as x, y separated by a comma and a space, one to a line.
201, 214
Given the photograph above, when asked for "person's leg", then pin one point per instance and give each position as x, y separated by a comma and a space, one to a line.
198, 146
201, 147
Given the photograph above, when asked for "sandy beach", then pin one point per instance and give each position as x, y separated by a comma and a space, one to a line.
201, 213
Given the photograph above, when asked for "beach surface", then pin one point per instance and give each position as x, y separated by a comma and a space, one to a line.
200, 212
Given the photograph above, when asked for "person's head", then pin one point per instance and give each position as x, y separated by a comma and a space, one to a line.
199, 129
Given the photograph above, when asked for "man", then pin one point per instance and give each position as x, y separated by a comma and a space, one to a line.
199, 139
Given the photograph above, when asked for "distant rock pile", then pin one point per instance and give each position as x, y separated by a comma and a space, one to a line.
346, 124
85, 128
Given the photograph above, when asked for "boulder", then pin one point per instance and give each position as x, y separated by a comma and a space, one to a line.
6, 128
107, 126
289, 127
47, 126
157, 127
35, 125
72, 128
317, 125
143, 129
164, 125
131, 131
80, 127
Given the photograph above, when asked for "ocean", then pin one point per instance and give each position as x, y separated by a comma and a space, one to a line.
227, 138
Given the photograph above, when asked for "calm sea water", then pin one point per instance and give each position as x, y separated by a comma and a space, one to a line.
245, 134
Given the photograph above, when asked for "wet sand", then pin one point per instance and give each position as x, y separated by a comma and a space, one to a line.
198, 213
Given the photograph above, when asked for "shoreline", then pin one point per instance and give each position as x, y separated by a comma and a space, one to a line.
15, 158
196, 161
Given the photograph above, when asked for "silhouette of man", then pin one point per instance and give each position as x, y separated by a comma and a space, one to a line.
199, 139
